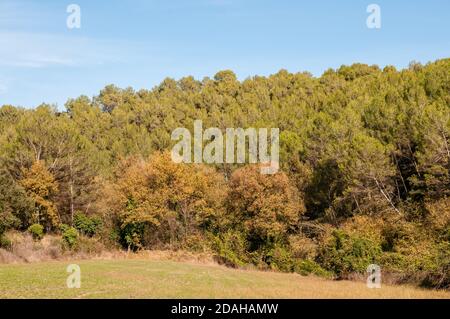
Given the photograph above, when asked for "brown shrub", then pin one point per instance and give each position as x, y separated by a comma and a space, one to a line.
302, 247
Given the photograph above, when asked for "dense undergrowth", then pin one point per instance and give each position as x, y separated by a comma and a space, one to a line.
364, 177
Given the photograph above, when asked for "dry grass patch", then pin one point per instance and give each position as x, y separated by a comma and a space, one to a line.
146, 278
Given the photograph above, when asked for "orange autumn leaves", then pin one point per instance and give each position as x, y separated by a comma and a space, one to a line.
40, 186
185, 199
267, 206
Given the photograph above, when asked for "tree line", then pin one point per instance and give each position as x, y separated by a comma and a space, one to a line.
364, 155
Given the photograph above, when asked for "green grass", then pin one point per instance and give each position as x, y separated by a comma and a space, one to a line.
138, 278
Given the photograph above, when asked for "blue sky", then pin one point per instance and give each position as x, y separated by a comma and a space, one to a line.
138, 43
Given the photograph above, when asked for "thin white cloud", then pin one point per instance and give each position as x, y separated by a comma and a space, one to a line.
25, 44
37, 50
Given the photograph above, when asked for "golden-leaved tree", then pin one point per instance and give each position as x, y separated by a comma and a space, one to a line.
40, 186
267, 207
158, 201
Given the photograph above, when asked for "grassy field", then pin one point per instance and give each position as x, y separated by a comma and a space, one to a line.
168, 279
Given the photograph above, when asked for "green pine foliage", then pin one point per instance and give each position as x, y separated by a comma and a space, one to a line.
358, 141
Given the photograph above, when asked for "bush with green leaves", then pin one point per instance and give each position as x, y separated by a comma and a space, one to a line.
280, 258
306, 267
88, 226
230, 248
5, 243
16, 207
344, 254
69, 235
37, 231
7, 221
131, 236
439, 275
